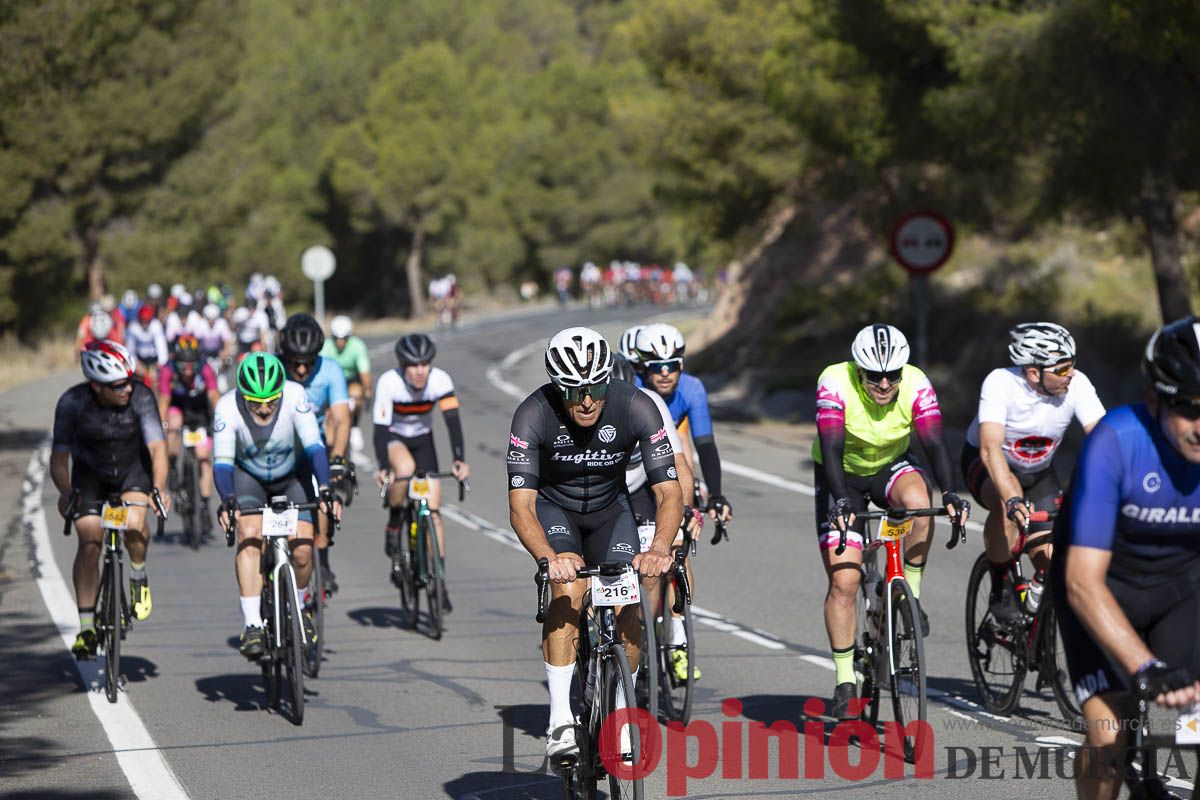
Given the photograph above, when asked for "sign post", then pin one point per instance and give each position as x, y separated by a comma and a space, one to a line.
921, 242
318, 263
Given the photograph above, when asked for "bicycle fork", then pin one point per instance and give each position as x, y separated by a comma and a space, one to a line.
283, 562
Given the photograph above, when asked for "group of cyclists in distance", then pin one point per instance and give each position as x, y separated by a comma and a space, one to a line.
632, 283
608, 444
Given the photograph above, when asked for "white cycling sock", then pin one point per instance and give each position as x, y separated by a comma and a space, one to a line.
678, 635
559, 681
301, 597
252, 612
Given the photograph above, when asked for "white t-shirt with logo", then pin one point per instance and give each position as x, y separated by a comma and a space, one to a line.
1034, 423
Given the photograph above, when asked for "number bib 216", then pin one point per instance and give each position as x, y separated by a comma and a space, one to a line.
615, 590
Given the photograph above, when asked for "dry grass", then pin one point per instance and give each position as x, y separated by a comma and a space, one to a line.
21, 364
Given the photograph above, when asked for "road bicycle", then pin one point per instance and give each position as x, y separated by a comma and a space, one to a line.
286, 641
187, 488
1001, 655
113, 619
603, 675
417, 562
890, 648
658, 686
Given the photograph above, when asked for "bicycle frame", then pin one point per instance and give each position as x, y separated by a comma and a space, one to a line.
894, 572
277, 557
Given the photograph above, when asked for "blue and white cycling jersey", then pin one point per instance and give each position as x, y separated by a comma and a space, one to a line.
267, 452
688, 402
326, 387
1134, 495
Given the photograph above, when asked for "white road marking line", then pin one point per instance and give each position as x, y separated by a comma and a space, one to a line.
149, 774
820, 661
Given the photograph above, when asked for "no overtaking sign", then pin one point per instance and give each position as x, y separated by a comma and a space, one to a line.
922, 241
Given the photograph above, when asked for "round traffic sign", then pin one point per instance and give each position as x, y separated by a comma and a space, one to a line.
922, 241
318, 263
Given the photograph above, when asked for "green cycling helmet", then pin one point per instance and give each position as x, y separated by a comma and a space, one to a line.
260, 377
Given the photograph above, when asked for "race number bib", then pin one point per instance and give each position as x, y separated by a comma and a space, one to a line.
192, 438
646, 536
418, 489
116, 517
281, 524
895, 530
616, 590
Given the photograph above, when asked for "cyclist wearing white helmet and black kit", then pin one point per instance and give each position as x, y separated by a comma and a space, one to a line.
568, 447
108, 439
1008, 459
867, 410
660, 356
404, 401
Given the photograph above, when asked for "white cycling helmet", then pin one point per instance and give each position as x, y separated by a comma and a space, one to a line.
880, 348
154, 291
340, 327
1041, 344
185, 299
240, 315
101, 324
178, 290
659, 342
578, 357
628, 345
105, 361
211, 312
272, 286
129, 299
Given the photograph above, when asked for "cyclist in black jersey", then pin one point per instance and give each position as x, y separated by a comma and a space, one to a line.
108, 439
567, 451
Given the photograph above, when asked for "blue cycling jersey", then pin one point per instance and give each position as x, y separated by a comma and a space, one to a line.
689, 401
326, 387
1133, 494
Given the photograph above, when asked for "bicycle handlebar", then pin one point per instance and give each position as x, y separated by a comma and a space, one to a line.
683, 593
231, 519
957, 531
464, 485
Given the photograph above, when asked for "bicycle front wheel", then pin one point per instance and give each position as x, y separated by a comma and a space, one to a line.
908, 673
646, 690
435, 578
315, 651
617, 688
996, 653
192, 482
109, 618
292, 640
676, 692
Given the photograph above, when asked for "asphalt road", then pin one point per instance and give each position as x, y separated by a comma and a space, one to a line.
397, 715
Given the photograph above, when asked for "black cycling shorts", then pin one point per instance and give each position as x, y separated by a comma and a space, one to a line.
421, 448
1165, 616
94, 490
863, 489
253, 493
1041, 488
609, 534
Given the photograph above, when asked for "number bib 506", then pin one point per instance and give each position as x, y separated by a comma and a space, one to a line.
616, 590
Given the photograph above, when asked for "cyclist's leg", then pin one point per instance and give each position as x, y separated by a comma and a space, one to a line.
999, 532
355, 390
401, 461
560, 631
424, 457
906, 486
300, 491
250, 494
174, 426
1043, 489
612, 535
844, 577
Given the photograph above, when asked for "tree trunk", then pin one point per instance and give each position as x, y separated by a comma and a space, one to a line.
416, 286
1156, 207
94, 264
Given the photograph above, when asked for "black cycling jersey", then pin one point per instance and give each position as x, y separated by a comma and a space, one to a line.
583, 469
105, 440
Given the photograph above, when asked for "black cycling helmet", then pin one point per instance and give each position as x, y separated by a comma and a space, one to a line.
301, 337
414, 348
623, 370
1172, 361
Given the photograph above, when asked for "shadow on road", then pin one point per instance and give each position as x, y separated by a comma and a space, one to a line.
378, 617
529, 719
244, 690
506, 786
66, 794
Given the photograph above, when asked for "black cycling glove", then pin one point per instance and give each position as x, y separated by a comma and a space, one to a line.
961, 506
841, 511
717, 503
1155, 678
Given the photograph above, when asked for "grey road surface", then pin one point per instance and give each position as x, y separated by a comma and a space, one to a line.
397, 715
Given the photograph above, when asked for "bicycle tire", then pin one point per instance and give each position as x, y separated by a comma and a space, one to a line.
996, 654
907, 651
111, 592
293, 644
315, 652
191, 514
677, 696
272, 680
646, 690
1054, 664
577, 786
616, 679
402, 569
867, 660
435, 587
